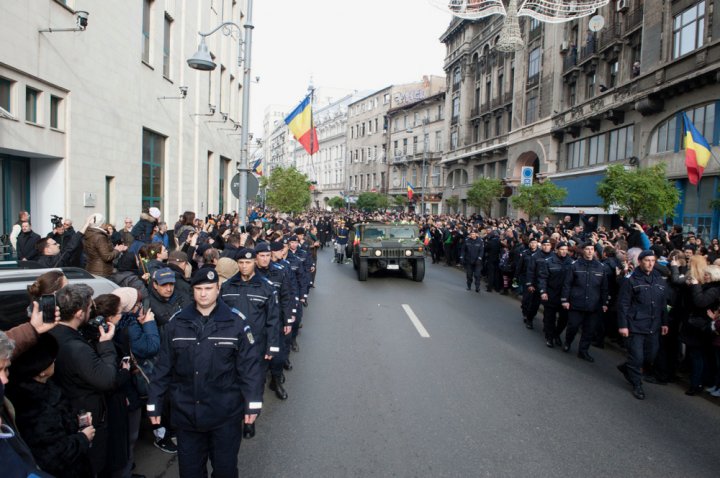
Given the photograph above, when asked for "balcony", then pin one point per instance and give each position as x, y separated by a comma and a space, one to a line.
497, 102
534, 33
609, 36
533, 80
570, 60
633, 19
508, 97
588, 51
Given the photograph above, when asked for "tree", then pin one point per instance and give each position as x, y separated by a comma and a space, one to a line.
400, 200
536, 200
483, 192
642, 193
453, 202
372, 201
336, 202
288, 190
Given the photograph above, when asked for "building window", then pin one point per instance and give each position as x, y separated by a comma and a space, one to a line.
441, 112
620, 144
55, 111
590, 85
572, 94
146, 31
222, 174
488, 91
534, 65
509, 120
498, 125
576, 154
501, 85
613, 70
438, 141
454, 140
435, 175
31, 104
668, 136
415, 144
405, 142
166, 45
531, 109
386, 98
476, 133
688, 30
486, 129
456, 108
596, 149
153, 158
456, 77
6, 94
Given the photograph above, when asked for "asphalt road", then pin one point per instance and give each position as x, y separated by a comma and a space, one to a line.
481, 396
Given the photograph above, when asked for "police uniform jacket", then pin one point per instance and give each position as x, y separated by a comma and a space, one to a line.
472, 251
298, 260
552, 276
279, 275
535, 267
210, 367
257, 302
585, 286
523, 262
642, 302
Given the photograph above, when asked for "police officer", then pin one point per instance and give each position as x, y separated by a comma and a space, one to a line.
584, 295
531, 298
471, 255
209, 364
642, 313
279, 275
550, 283
301, 265
522, 264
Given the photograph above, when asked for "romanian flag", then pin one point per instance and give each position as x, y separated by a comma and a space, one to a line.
411, 191
427, 238
697, 151
301, 126
257, 167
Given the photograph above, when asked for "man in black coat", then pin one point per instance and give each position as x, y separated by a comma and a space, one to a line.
471, 256
584, 295
26, 241
550, 283
85, 373
531, 296
492, 258
51, 253
642, 317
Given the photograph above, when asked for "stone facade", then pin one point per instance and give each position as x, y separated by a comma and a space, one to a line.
578, 101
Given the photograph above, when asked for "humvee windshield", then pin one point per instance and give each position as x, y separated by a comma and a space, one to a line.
374, 233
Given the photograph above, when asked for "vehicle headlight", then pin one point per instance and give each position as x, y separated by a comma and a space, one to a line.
408, 253
378, 252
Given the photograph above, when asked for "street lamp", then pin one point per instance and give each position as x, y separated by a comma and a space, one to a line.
202, 61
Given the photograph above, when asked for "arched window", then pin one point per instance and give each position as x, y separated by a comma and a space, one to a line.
668, 135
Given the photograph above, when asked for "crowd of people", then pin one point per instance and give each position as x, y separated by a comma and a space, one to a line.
207, 312
204, 317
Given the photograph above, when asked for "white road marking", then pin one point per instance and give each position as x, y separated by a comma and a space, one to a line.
416, 322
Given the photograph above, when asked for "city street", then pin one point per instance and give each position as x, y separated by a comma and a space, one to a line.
481, 396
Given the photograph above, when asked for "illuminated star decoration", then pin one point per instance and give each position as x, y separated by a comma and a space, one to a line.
549, 11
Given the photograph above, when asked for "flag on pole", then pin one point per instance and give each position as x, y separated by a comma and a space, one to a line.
697, 151
301, 126
410, 191
257, 167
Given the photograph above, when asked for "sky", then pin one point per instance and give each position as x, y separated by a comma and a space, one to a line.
360, 45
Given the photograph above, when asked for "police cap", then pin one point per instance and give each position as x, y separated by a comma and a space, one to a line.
206, 275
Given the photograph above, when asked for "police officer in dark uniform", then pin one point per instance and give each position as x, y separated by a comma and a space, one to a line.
210, 367
522, 264
550, 283
471, 256
584, 295
531, 298
642, 313
301, 264
279, 275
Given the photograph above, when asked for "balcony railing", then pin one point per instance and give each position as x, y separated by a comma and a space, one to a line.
608, 36
534, 33
633, 19
588, 50
570, 60
533, 80
497, 101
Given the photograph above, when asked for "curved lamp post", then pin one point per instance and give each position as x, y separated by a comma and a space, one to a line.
202, 61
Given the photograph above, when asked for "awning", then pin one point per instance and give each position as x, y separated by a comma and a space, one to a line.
582, 190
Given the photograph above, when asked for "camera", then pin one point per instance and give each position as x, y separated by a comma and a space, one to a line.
82, 19
97, 322
56, 221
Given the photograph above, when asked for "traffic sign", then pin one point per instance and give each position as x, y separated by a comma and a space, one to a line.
526, 176
252, 186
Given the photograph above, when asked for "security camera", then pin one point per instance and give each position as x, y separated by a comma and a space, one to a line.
82, 19
212, 109
183, 91
224, 116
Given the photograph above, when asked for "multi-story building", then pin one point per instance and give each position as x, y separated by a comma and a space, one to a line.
273, 117
110, 118
415, 139
326, 168
579, 100
367, 135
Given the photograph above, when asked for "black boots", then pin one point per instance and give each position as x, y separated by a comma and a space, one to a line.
277, 387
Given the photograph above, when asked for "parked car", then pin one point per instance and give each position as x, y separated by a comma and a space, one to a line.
14, 298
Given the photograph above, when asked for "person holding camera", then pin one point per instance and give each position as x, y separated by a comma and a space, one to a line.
99, 250
56, 254
85, 373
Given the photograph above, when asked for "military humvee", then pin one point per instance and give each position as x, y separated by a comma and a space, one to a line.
380, 246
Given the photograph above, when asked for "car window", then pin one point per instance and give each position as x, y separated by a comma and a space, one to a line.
13, 308
372, 233
403, 233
